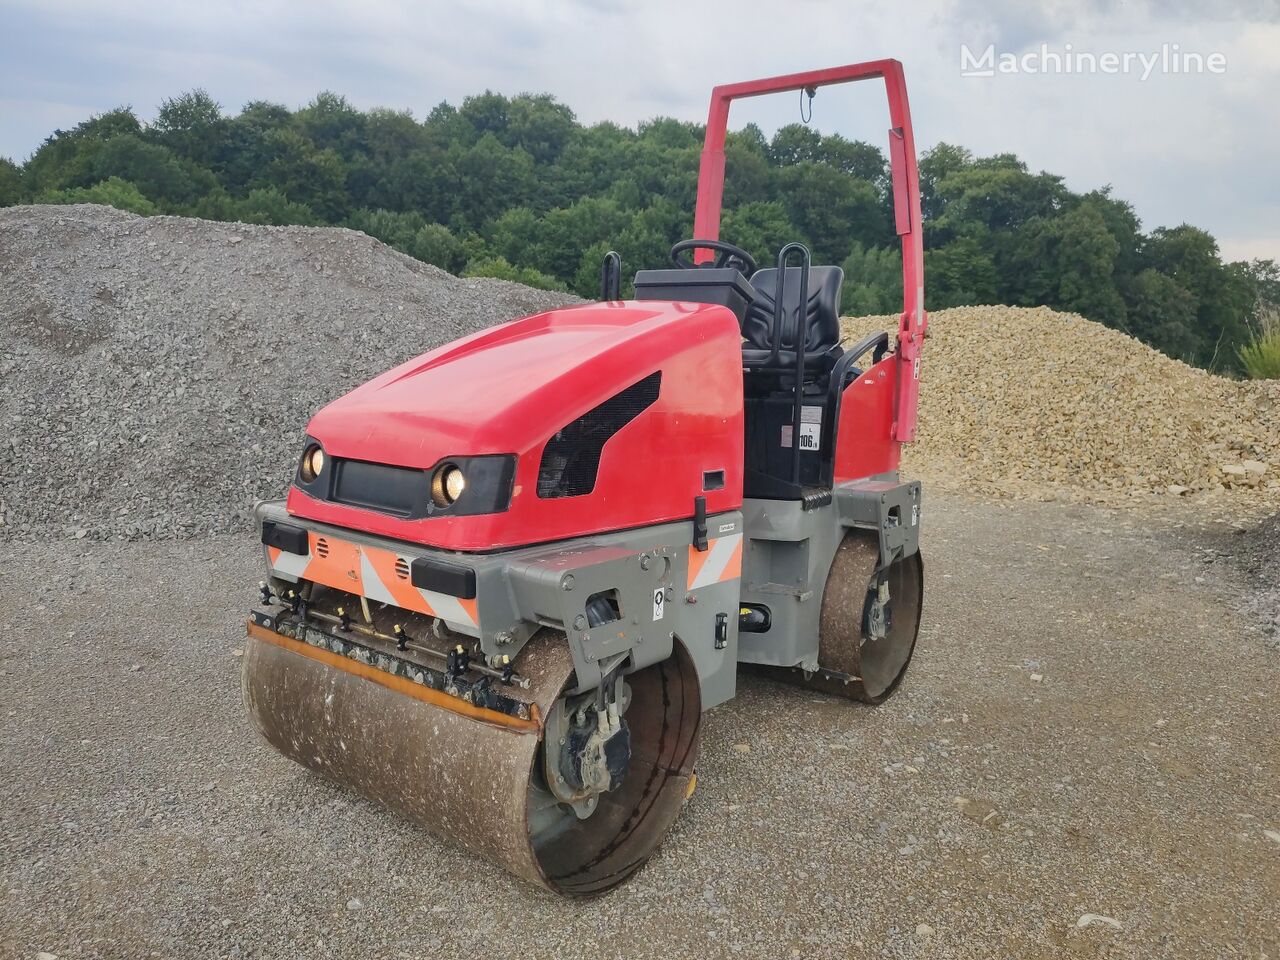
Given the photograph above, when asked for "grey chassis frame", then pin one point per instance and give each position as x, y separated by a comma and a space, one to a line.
787, 550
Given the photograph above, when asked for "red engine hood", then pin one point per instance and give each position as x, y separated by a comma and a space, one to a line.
505, 389
508, 389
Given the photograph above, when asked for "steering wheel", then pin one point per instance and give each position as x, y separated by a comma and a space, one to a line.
728, 254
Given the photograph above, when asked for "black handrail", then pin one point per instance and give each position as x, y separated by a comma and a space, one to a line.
611, 276
801, 339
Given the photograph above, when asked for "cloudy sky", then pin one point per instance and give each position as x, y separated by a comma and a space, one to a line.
1188, 146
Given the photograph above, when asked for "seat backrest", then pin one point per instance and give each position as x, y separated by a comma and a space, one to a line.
821, 315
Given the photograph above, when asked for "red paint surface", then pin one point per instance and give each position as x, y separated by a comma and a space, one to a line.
864, 442
510, 388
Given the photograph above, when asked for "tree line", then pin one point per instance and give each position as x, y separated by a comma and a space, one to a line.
517, 188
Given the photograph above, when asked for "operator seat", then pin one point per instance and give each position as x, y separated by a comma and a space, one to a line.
820, 320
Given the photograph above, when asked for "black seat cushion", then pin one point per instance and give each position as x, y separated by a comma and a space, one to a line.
821, 316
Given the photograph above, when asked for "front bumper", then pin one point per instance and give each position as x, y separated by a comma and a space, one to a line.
380, 570
652, 577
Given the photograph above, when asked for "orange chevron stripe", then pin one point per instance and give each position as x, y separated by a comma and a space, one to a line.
340, 569
696, 560
405, 593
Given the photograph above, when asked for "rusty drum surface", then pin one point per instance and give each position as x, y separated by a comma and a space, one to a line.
475, 782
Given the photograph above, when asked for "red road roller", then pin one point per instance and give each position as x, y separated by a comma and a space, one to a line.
511, 574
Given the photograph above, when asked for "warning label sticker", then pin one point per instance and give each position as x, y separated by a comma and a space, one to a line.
810, 436
810, 429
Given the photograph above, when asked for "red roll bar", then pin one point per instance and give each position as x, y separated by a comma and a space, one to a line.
906, 203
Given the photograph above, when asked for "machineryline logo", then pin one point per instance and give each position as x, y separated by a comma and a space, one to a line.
1044, 60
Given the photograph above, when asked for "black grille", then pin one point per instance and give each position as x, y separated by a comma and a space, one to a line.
571, 458
377, 486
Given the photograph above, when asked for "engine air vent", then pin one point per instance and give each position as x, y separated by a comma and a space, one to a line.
402, 568
571, 458
322, 547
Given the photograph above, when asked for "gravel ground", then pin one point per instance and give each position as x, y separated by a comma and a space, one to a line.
158, 373
1256, 552
1089, 728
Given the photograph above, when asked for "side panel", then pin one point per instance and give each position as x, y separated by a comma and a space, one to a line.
865, 445
789, 551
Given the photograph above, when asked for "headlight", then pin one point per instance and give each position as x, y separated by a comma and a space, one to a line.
447, 484
312, 462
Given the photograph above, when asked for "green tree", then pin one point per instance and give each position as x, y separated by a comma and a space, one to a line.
936, 165
1123, 224
563, 233
761, 228
249, 145
112, 192
859, 160
1263, 278
995, 195
489, 178
486, 113
594, 159
795, 143
1163, 313
539, 126
151, 167
330, 122
306, 175
64, 158
872, 281
10, 183
499, 268
393, 228
192, 126
960, 273
832, 211
514, 236
516, 185
268, 205
671, 134
1189, 256
647, 240
1067, 261
748, 174
434, 244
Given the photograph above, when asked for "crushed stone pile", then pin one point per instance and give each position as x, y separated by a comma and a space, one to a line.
1036, 404
156, 374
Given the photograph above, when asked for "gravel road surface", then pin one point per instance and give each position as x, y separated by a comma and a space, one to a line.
1082, 763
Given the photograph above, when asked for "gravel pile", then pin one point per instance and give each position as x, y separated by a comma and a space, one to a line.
157, 373
1036, 404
